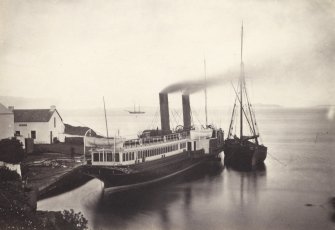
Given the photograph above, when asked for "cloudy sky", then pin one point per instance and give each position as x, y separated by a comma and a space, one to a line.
72, 53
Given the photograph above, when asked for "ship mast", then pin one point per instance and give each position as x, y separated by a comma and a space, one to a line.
103, 98
205, 92
241, 86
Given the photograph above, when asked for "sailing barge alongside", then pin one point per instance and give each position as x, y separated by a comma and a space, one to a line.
243, 152
155, 155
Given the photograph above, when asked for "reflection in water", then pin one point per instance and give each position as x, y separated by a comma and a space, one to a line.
252, 179
120, 209
176, 204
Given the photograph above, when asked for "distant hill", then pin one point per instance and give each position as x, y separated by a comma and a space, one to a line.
325, 106
260, 105
28, 103
79, 130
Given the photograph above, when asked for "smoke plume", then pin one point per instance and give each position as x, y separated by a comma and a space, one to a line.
193, 86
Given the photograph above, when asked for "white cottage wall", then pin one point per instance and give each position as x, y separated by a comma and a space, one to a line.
45, 131
6, 125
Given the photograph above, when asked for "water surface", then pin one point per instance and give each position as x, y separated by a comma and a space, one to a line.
292, 191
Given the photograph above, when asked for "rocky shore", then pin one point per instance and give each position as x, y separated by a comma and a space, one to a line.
43, 175
18, 208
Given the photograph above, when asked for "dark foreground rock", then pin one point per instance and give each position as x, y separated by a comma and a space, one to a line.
332, 202
18, 208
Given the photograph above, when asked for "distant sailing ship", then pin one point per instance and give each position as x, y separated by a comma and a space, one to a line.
136, 111
243, 152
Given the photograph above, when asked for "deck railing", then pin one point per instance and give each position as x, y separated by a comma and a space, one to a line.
153, 140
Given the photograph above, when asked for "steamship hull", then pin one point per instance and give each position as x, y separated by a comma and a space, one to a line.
121, 178
244, 157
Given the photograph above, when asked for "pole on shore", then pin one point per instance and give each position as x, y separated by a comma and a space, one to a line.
88, 131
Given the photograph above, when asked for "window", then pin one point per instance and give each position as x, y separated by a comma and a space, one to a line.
132, 156
95, 156
117, 157
109, 156
33, 134
54, 122
123, 157
17, 133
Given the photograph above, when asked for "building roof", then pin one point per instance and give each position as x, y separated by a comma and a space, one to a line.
4, 110
33, 115
78, 130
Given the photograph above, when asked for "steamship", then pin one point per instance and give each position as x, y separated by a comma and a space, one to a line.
155, 155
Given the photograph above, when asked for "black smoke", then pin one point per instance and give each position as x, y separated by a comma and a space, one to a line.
193, 86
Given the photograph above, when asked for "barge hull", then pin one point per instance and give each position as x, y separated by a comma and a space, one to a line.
244, 157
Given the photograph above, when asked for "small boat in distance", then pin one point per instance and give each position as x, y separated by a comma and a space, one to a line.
243, 152
136, 111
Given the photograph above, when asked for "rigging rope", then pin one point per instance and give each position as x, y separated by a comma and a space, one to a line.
179, 116
276, 159
242, 108
252, 115
154, 120
173, 115
196, 115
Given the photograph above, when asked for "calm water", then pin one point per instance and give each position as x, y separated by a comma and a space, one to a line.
292, 192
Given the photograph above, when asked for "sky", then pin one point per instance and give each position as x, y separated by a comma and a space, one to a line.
71, 53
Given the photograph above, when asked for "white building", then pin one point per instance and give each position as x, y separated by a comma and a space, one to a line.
6, 122
43, 125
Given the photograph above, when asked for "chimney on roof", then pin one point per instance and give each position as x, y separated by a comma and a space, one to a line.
52, 108
11, 108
